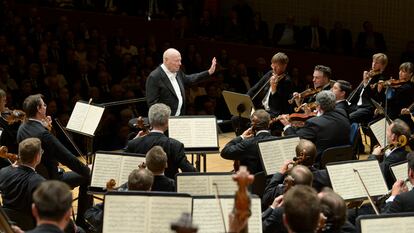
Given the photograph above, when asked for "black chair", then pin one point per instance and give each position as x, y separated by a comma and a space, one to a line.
354, 138
259, 184
23, 220
336, 154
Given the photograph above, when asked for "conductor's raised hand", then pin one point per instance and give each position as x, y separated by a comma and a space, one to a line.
213, 66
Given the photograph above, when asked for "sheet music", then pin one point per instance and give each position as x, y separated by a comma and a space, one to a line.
129, 163
378, 128
85, 118
225, 183
346, 183
388, 225
79, 113
92, 119
140, 213
197, 132
165, 210
105, 167
125, 213
207, 216
275, 152
400, 172
193, 185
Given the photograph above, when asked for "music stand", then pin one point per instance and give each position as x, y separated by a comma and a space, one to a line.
238, 104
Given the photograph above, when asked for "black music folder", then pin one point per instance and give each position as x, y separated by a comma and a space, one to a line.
197, 133
112, 165
238, 104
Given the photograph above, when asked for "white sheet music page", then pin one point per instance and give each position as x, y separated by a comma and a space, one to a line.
225, 183
194, 132
193, 185
129, 163
78, 116
346, 183
126, 214
207, 216
378, 128
275, 152
105, 167
400, 172
92, 119
388, 225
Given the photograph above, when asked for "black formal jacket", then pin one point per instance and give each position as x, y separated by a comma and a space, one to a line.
343, 105
398, 155
328, 130
17, 185
46, 228
402, 203
54, 151
278, 102
367, 94
173, 148
399, 98
246, 150
163, 183
160, 90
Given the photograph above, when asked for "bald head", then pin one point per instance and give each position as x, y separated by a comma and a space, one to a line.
172, 60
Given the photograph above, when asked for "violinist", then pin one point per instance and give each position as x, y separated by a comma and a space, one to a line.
273, 91
330, 128
397, 134
244, 147
341, 89
8, 125
362, 110
305, 155
54, 153
400, 92
321, 81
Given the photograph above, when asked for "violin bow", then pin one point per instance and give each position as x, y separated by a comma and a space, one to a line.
70, 139
216, 195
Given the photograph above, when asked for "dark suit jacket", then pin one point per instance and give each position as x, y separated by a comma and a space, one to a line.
398, 155
160, 90
46, 228
54, 151
246, 151
399, 98
402, 203
17, 185
173, 148
163, 183
278, 102
368, 93
343, 105
329, 130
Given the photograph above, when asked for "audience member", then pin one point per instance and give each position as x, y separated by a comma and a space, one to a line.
369, 41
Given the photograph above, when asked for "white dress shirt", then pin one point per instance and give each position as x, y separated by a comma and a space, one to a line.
172, 77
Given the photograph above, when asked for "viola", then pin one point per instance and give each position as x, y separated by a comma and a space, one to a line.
4, 154
306, 93
241, 209
13, 116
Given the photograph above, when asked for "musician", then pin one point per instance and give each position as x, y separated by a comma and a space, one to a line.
17, 183
244, 147
156, 162
321, 80
52, 205
331, 127
9, 131
158, 116
166, 83
298, 211
138, 180
305, 155
54, 153
273, 91
401, 199
395, 152
400, 95
341, 89
362, 110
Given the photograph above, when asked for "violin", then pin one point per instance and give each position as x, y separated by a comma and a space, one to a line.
392, 83
306, 93
295, 119
110, 185
47, 123
241, 209
141, 124
368, 74
13, 116
4, 154
311, 106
